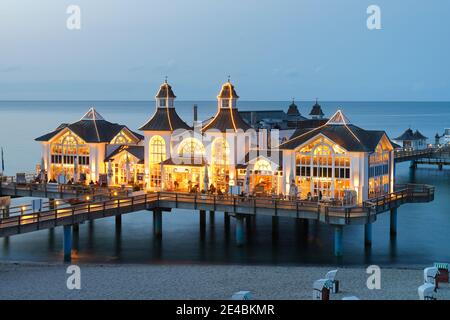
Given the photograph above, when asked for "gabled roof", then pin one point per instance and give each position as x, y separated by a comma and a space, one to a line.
227, 119
137, 151
165, 91
165, 119
409, 135
339, 119
92, 128
92, 114
419, 136
316, 110
340, 131
254, 155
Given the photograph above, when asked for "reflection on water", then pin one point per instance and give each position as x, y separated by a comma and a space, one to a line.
423, 237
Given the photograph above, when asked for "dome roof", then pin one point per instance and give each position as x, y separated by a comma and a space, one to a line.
316, 110
293, 110
227, 92
165, 91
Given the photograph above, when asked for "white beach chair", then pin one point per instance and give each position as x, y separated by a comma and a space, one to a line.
242, 295
331, 275
426, 292
430, 274
321, 289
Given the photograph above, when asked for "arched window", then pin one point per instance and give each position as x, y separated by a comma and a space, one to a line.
65, 151
157, 149
220, 152
191, 148
120, 139
262, 165
322, 168
70, 145
220, 160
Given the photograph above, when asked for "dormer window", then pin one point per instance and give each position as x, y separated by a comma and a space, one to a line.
162, 102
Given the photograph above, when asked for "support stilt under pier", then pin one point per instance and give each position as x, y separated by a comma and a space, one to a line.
76, 227
275, 222
413, 164
202, 220
393, 228
67, 243
368, 235
338, 240
118, 221
212, 218
157, 223
240, 239
226, 221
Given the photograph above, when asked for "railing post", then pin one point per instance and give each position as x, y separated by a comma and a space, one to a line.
214, 199
195, 201
276, 207
234, 204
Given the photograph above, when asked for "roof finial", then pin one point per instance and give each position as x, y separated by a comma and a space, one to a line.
165, 81
229, 78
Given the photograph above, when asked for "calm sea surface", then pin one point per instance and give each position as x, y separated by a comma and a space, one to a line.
423, 234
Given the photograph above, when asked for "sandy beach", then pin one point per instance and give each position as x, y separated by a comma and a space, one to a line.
48, 281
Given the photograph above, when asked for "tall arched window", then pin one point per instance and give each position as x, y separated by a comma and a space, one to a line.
157, 149
220, 161
157, 155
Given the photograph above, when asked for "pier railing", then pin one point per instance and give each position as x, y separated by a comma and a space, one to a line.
53, 215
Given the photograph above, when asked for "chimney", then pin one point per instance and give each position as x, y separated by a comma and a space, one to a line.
195, 113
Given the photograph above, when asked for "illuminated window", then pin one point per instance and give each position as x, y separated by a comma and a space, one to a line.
65, 152
157, 155
191, 148
263, 165
157, 149
322, 168
220, 160
379, 181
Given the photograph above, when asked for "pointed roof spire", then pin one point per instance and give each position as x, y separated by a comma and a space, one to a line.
227, 91
316, 110
165, 91
92, 114
338, 119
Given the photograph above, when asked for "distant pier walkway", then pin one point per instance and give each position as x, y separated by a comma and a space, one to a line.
439, 156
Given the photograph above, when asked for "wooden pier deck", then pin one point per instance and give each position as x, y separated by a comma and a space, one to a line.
324, 212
